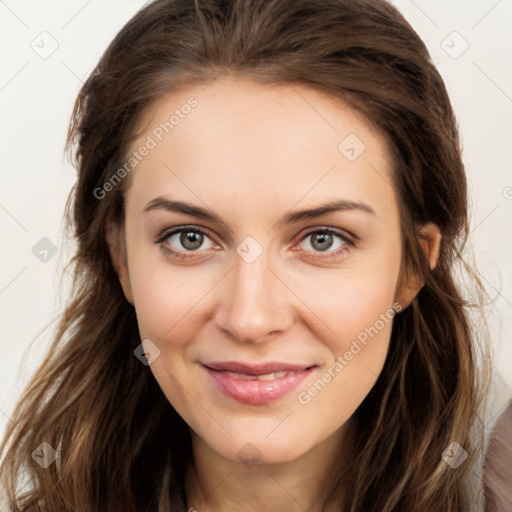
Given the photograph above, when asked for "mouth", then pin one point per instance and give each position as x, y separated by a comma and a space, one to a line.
265, 376
267, 368
257, 384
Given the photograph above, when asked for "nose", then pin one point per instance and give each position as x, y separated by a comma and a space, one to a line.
255, 303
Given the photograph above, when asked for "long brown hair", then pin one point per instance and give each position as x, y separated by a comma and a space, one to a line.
120, 444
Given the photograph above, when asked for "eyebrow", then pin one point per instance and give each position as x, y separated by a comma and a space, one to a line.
163, 203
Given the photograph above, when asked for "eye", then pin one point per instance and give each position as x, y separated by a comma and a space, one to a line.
323, 241
184, 241
180, 241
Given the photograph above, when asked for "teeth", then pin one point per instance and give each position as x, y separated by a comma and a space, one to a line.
241, 376
280, 375
267, 376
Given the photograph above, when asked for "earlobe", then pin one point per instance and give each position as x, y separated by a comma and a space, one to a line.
429, 238
115, 241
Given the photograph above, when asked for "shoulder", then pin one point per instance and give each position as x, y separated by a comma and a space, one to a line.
497, 467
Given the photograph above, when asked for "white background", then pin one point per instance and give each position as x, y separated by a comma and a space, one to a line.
36, 98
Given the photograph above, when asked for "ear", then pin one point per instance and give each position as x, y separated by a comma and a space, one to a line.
429, 237
117, 248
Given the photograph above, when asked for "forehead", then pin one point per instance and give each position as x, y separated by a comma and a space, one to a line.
234, 138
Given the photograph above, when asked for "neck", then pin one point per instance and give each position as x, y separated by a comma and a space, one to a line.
217, 484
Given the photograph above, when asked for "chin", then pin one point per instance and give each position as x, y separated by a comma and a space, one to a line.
255, 450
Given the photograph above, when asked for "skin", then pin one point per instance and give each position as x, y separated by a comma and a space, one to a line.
251, 154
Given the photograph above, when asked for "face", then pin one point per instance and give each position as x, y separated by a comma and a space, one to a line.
226, 268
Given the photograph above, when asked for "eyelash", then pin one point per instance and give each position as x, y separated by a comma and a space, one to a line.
348, 243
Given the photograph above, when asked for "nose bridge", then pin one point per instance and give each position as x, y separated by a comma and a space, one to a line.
254, 302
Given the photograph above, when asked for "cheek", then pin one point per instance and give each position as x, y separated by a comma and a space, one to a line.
164, 306
165, 295
358, 353
346, 302
362, 326
356, 309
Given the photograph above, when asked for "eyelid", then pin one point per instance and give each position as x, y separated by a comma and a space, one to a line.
325, 256
343, 234
166, 233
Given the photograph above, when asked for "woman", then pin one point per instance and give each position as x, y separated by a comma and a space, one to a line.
249, 370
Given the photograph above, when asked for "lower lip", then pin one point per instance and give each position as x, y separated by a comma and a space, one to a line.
257, 392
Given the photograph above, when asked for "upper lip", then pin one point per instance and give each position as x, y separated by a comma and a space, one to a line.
256, 369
